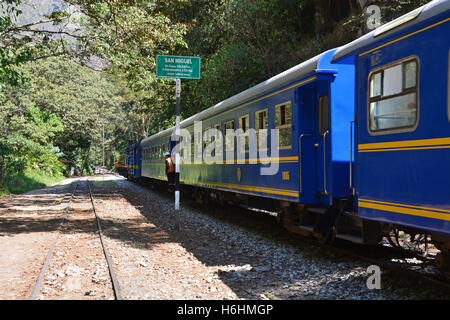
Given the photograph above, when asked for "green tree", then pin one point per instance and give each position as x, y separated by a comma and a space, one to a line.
61, 109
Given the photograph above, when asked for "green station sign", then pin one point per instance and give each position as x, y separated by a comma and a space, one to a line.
180, 67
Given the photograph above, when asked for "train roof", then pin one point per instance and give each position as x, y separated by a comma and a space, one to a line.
416, 16
287, 76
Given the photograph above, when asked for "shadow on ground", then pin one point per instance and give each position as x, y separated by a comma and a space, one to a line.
251, 256
245, 268
247, 261
42, 211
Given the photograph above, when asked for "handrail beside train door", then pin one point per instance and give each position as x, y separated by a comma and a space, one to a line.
300, 158
324, 136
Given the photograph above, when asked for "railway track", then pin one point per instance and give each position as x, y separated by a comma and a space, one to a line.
82, 186
410, 264
112, 274
396, 261
402, 262
405, 263
399, 261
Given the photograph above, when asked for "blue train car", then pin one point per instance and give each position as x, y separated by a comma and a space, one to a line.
362, 144
122, 166
313, 151
133, 154
137, 160
402, 142
153, 150
128, 159
311, 107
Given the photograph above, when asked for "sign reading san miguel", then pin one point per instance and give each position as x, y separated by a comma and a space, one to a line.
178, 67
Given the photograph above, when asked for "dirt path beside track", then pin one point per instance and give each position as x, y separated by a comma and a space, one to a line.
28, 224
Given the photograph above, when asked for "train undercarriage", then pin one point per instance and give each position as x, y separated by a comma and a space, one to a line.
340, 222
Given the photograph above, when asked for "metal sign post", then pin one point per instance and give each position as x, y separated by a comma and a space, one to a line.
178, 67
177, 154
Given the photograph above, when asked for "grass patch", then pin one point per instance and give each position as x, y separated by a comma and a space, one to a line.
30, 180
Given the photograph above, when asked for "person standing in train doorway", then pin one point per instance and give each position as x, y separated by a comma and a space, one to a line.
170, 171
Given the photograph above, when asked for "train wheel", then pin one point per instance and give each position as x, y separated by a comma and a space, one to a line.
326, 238
322, 238
332, 235
280, 217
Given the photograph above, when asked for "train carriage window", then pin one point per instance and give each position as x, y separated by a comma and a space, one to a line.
192, 146
206, 138
393, 97
261, 125
244, 136
218, 141
375, 85
392, 81
283, 122
410, 75
229, 135
198, 146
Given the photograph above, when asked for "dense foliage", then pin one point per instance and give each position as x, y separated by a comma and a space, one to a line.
56, 115
71, 70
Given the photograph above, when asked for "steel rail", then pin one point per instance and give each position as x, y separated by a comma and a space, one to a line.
112, 274
395, 268
37, 286
360, 252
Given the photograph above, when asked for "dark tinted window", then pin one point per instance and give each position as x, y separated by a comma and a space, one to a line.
324, 114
